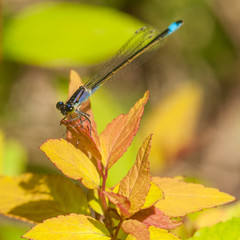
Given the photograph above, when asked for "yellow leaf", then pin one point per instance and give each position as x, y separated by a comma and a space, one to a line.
130, 237
182, 198
173, 123
73, 226
115, 189
136, 184
161, 234
72, 162
36, 197
118, 134
153, 196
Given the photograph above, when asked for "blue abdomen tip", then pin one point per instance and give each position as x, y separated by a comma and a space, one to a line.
174, 26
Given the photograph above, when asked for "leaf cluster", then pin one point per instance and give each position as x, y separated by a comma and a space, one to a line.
140, 206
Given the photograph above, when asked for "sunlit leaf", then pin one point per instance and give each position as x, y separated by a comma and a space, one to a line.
72, 162
181, 198
83, 138
119, 201
130, 237
136, 184
136, 228
154, 217
118, 134
116, 188
35, 197
66, 34
80, 138
173, 122
161, 234
106, 108
153, 196
74, 227
228, 230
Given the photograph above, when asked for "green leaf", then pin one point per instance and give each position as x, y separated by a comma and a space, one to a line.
229, 230
66, 34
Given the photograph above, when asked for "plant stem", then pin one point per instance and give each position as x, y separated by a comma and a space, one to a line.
104, 180
100, 168
118, 228
102, 199
108, 221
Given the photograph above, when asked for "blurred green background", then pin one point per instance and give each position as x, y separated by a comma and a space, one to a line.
193, 80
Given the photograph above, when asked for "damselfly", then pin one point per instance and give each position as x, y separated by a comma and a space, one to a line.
141, 43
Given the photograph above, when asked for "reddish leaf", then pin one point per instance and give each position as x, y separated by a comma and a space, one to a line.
79, 135
81, 139
154, 217
119, 201
136, 184
136, 228
84, 128
118, 134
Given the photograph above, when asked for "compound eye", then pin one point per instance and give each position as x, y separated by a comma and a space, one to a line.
69, 108
59, 105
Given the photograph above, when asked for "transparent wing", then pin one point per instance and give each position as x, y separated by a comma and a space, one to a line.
141, 43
